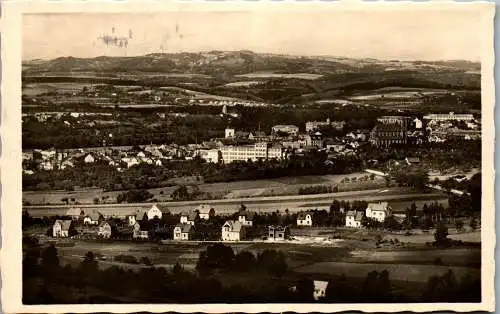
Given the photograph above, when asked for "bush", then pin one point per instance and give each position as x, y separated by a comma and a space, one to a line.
129, 259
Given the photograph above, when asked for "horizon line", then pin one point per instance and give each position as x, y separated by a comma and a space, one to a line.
250, 51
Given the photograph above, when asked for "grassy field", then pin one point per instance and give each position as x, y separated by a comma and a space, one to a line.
414, 265
303, 76
250, 188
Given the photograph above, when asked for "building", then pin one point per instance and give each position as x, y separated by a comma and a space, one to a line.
246, 218
401, 120
448, 117
156, 211
75, 213
315, 125
233, 231
210, 155
353, 219
319, 289
89, 159
105, 230
417, 123
257, 136
93, 218
261, 150
205, 211
285, 128
188, 218
305, 219
61, 228
229, 133
278, 233
378, 211
138, 233
387, 134
183, 232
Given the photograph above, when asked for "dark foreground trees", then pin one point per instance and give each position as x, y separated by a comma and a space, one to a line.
261, 278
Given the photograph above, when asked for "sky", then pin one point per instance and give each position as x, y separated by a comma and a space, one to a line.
384, 34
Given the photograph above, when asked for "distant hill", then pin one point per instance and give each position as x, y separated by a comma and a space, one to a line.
221, 63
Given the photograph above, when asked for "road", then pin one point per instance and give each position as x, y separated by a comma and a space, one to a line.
258, 204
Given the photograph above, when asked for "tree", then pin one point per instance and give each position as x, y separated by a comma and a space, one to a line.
134, 196
305, 290
181, 193
245, 261
473, 223
50, 259
89, 264
441, 234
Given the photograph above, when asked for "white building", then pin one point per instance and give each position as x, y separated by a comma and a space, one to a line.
92, 218
205, 211
89, 159
314, 125
378, 211
319, 289
353, 219
246, 218
254, 152
285, 128
304, 219
418, 123
449, 116
210, 155
183, 232
61, 228
188, 218
229, 133
233, 231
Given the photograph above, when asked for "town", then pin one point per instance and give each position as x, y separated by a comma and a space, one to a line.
210, 186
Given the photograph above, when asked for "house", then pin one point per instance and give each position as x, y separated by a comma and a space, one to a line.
287, 129
304, 219
138, 233
188, 218
75, 213
130, 161
319, 289
378, 211
93, 218
183, 232
156, 211
233, 231
353, 219
89, 159
336, 146
61, 228
417, 123
246, 218
205, 211
105, 230
278, 233
412, 160
229, 133
387, 134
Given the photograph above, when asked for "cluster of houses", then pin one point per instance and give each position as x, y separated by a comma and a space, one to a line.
121, 157
438, 128
232, 230
184, 230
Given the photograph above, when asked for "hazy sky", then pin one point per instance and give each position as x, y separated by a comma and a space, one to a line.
403, 35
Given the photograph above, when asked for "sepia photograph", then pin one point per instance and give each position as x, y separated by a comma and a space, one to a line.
255, 156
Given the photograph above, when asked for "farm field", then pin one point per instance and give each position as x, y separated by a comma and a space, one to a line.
414, 265
237, 189
304, 76
258, 204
